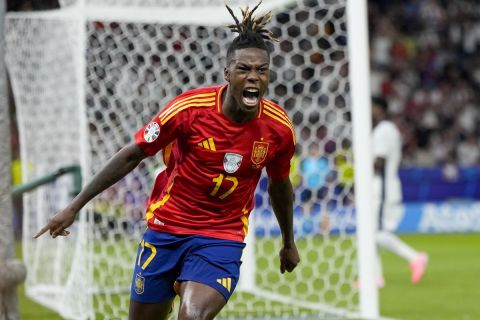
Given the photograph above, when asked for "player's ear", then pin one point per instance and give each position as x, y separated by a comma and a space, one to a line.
226, 74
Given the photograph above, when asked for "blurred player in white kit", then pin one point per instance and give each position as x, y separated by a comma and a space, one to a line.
387, 153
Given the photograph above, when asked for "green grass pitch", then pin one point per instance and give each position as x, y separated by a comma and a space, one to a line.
449, 289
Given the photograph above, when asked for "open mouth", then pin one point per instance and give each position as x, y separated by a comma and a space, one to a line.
251, 96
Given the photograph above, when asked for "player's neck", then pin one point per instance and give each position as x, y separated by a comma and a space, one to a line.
375, 122
234, 112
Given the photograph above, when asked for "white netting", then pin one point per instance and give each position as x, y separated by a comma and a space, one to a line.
43, 74
80, 99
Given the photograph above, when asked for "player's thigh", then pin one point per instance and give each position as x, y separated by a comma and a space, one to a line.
149, 311
199, 301
209, 275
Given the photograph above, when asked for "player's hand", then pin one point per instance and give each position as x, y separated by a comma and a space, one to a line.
288, 258
58, 224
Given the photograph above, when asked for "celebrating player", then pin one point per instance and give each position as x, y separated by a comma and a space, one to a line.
199, 209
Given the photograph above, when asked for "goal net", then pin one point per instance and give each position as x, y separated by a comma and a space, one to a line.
86, 77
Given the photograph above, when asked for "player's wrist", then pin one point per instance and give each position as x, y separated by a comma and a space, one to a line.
288, 242
73, 209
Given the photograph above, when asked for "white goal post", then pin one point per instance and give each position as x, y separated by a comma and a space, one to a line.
87, 76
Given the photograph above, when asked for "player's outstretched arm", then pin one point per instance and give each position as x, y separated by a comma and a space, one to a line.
281, 196
116, 168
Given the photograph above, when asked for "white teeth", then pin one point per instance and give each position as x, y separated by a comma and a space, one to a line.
251, 90
250, 101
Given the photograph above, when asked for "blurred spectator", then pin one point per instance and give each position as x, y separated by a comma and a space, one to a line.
345, 172
450, 169
424, 61
315, 169
28, 5
468, 152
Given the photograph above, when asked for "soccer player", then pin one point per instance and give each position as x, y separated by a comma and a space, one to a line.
387, 153
199, 208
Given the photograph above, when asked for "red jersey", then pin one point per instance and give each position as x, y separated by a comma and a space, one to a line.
209, 188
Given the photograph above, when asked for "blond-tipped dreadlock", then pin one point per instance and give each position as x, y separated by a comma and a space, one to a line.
249, 23
251, 30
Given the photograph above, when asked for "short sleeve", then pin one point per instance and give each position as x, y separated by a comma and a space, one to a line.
161, 131
279, 167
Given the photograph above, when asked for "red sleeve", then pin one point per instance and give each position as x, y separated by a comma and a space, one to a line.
279, 167
165, 127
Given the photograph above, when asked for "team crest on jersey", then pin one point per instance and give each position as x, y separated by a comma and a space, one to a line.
139, 284
259, 152
152, 131
231, 162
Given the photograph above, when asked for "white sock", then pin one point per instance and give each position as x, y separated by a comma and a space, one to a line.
391, 242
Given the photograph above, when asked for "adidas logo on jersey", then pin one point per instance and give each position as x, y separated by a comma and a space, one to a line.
226, 283
207, 144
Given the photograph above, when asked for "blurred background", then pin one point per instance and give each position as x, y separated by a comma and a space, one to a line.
425, 63
424, 59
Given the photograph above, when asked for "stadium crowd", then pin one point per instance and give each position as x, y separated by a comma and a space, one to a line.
425, 63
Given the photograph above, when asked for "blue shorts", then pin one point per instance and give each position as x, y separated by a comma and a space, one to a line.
163, 258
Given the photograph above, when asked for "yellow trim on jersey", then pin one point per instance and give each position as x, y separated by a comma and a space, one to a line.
203, 97
195, 96
219, 97
245, 221
188, 105
149, 215
158, 204
279, 112
280, 118
261, 107
173, 108
167, 153
245, 225
282, 121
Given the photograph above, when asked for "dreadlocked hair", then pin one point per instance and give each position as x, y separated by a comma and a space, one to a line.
251, 30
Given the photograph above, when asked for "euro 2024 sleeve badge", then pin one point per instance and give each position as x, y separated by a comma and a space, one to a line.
152, 131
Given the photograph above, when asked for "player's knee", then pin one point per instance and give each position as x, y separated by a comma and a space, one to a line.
146, 311
381, 236
191, 311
